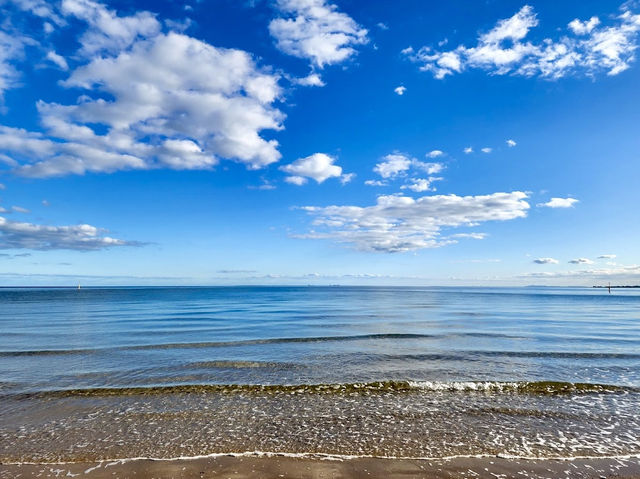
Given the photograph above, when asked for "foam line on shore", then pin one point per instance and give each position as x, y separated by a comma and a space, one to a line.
330, 457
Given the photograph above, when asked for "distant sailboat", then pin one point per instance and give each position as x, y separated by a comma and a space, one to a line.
79, 286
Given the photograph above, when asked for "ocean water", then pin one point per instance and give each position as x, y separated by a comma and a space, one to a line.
402, 372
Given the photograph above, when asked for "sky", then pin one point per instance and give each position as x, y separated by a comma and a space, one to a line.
221, 142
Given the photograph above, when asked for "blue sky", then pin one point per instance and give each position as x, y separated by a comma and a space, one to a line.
315, 142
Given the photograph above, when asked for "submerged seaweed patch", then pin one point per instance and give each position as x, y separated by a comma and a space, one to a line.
523, 387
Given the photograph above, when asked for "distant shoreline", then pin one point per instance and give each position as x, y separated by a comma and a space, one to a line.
616, 287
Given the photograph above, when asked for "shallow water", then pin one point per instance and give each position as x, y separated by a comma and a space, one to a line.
532, 372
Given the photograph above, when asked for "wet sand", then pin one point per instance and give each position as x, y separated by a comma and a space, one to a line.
281, 466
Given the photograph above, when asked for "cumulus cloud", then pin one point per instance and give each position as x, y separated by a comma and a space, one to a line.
312, 79
397, 165
399, 223
168, 101
296, 180
583, 27
468, 150
20, 209
588, 49
317, 31
420, 184
581, 261
429, 168
545, 261
486, 150
17, 235
559, 203
107, 31
400, 90
607, 256
318, 166
393, 165
375, 183
434, 154
511, 143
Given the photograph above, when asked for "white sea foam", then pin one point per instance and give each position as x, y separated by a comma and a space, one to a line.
329, 457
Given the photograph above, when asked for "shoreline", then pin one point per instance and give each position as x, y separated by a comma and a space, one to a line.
303, 466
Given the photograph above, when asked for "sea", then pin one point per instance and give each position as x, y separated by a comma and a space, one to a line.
408, 372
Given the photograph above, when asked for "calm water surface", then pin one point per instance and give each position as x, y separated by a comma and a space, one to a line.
54, 339
410, 369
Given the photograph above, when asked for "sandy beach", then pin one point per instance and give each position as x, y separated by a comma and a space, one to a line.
282, 466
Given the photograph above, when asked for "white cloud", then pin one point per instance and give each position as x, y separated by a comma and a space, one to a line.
559, 203
313, 79
317, 31
168, 101
318, 166
400, 223
39, 8
347, 178
265, 186
582, 28
434, 154
375, 183
400, 90
486, 150
592, 49
296, 180
607, 256
382, 26
397, 164
477, 236
581, 261
420, 184
429, 168
546, 261
511, 143
107, 31
184, 155
58, 60
393, 165
20, 209
17, 235
624, 274
2, 187
12, 47
468, 150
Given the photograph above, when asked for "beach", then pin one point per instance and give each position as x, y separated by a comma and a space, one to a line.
257, 465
